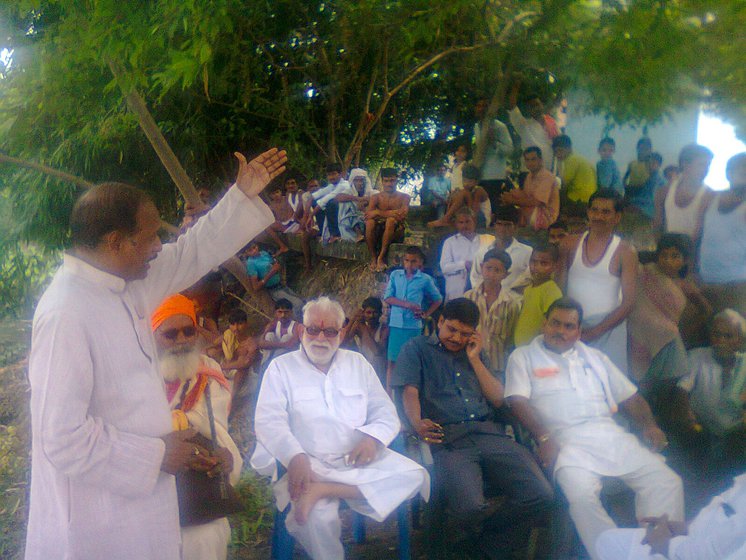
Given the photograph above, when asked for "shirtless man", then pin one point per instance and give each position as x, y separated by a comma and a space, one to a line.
385, 218
283, 212
472, 196
599, 270
239, 353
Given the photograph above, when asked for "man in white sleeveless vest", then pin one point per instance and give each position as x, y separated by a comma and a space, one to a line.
281, 335
680, 206
599, 270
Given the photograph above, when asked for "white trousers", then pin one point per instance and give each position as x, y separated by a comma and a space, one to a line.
657, 488
321, 535
208, 541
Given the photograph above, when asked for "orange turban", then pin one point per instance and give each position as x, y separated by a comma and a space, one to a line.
173, 305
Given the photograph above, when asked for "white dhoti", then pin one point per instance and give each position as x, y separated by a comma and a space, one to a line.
325, 416
208, 541
384, 484
582, 464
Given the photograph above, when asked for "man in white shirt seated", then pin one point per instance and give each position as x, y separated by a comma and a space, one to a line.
323, 414
566, 393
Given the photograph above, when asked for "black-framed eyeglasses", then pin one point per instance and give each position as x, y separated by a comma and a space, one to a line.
173, 334
329, 332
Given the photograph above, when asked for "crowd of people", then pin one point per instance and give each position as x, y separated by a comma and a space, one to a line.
531, 368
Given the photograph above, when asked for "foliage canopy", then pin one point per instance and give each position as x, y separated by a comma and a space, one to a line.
359, 81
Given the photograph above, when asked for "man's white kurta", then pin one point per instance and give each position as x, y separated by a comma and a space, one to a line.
302, 410
98, 405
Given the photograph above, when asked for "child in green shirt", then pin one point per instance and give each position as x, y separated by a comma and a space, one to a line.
537, 297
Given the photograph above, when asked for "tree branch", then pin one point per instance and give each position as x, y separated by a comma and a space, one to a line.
137, 105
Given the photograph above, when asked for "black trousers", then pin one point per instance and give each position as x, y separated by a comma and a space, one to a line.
483, 463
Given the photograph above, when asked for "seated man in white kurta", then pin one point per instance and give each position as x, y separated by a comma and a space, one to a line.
323, 413
565, 393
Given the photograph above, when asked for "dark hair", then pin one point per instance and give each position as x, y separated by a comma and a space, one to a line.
372, 303
105, 208
644, 140
532, 95
333, 166
562, 141
501, 256
559, 224
566, 303
655, 156
679, 241
508, 213
533, 150
734, 163
607, 140
608, 194
466, 211
690, 152
549, 248
389, 172
291, 177
463, 310
416, 251
237, 316
274, 187
470, 171
284, 303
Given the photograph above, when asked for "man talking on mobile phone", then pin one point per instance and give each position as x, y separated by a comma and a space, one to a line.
448, 394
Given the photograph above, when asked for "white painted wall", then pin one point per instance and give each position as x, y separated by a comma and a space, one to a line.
668, 136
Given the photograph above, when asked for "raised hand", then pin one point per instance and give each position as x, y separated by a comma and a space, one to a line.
253, 176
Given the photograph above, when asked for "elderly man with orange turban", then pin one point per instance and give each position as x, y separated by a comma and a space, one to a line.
191, 380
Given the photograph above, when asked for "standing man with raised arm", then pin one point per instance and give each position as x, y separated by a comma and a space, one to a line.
103, 450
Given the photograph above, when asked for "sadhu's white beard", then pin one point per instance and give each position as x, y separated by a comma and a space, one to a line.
179, 366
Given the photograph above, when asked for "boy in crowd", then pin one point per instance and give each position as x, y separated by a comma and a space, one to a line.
264, 274
384, 219
577, 173
498, 309
284, 214
557, 232
459, 160
607, 172
281, 335
643, 198
472, 196
370, 336
538, 296
436, 191
239, 354
407, 291
637, 171
458, 253
506, 222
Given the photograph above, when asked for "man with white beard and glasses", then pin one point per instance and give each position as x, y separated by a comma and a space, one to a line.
323, 413
191, 379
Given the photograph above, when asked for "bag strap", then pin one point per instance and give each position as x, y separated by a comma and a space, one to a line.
214, 438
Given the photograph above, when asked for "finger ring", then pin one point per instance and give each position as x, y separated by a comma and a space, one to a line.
196, 451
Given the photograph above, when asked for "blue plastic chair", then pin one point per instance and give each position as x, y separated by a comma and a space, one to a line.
283, 544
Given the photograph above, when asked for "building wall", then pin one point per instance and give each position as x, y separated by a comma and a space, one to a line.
668, 136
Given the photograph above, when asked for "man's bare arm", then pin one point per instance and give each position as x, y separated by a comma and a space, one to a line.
524, 412
638, 410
